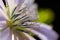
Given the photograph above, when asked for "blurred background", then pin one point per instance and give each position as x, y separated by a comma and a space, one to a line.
48, 12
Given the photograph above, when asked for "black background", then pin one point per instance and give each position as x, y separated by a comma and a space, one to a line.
55, 6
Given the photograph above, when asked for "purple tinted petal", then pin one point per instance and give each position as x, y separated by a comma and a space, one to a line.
51, 34
48, 32
5, 35
1, 7
2, 19
20, 1
40, 35
2, 24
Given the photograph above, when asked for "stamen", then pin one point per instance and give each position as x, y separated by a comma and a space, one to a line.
14, 16
31, 34
25, 30
25, 21
22, 9
14, 10
19, 18
4, 2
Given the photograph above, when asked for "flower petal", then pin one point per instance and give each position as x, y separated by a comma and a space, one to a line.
2, 25
5, 35
19, 35
27, 3
13, 3
29, 37
46, 30
2, 5
2, 18
40, 35
24, 4
3, 14
32, 12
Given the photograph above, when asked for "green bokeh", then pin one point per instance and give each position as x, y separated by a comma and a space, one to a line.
45, 16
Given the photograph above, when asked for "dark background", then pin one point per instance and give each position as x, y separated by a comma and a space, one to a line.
55, 6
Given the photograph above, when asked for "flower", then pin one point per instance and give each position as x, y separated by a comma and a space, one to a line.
16, 20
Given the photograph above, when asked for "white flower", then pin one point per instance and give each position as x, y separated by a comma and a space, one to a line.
16, 18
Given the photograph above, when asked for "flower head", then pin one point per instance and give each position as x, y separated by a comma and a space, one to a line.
16, 19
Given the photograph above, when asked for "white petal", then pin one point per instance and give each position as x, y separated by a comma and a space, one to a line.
5, 35
2, 5
12, 36
32, 12
27, 3
29, 37
3, 15
2, 10
13, 3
